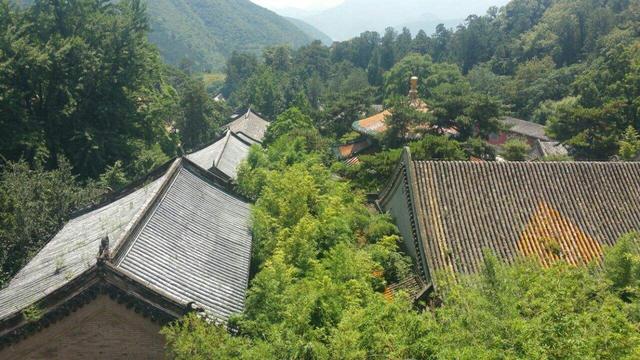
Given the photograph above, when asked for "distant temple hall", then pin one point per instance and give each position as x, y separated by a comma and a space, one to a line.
227, 153
175, 243
532, 134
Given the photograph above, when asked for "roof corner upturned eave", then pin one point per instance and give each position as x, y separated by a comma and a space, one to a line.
405, 176
101, 279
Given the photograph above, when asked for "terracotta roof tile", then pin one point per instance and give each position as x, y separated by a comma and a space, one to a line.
548, 210
545, 210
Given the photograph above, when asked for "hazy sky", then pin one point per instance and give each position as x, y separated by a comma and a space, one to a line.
300, 4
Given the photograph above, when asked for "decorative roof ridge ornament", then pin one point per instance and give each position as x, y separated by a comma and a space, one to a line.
104, 253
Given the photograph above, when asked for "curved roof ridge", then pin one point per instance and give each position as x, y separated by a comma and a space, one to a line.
224, 147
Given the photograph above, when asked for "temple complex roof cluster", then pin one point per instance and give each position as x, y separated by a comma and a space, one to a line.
226, 153
175, 242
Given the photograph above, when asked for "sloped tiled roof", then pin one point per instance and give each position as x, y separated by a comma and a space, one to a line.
206, 156
250, 125
195, 245
376, 124
352, 161
349, 150
412, 285
183, 235
546, 210
372, 125
551, 148
73, 250
525, 128
225, 154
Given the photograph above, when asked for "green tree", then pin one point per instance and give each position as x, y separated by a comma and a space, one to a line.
433, 147
278, 58
402, 122
288, 121
198, 124
263, 91
622, 268
317, 253
515, 150
239, 68
396, 81
528, 311
80, 79
420, 43
33, 205
629, 145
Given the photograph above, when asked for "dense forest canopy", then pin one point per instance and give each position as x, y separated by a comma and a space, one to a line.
571, 65
86, 107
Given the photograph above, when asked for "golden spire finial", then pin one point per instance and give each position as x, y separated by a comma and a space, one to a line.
413, 93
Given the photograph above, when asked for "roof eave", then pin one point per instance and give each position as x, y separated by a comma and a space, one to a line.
406, 168
102, 278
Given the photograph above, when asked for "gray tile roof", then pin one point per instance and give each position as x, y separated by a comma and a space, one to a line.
246, 139
512, 208
526, 128
249, 124
184, 234
73, 250
195, 245
225, 154
206, 156
551, 148
545, 210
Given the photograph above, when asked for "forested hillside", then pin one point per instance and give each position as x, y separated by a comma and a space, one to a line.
311, 31
206, 32
571, 65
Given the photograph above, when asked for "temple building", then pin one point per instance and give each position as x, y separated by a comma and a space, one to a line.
175, 242
449, 212
375, 125
225, 154
531, 133
115, 273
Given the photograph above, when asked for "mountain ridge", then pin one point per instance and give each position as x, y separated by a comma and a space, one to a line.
206, 32
353, 17
311, 31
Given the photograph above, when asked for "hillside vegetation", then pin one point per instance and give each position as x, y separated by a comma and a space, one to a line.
570, 65
207, 31
311, 31
88, 106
